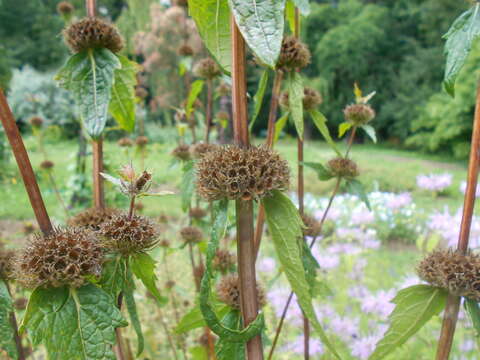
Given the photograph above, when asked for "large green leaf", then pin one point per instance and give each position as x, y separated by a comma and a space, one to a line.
279, 126
225, 350
122, 105
261, 23
460, 37
213, 23
290, 15
113, 275
258, 98
143, 266
73, 323
322, 172
132, 310
194, 318
195, 90
415, 306
7, 335
474, 311
89, 75
321, 123
285, 226
295, 100
187, 185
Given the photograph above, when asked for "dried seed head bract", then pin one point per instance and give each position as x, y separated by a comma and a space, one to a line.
191, 234
200, 149
234, 172
141, 141
92, 218
343, 167
125, 142
359, 114
36, 122
293, 55
207, 68
62, 258
92, 33
185, 50
224, 261
457, 273
6, 263
228, 291
198, 213
65, 8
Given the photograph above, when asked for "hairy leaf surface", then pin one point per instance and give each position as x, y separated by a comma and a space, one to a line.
143, 266
7, 340
295, 97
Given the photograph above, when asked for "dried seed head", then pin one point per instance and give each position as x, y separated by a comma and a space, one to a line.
223, 89
311, 99
228, 291
199, 150
222, 115
36, 122
343, 167
191, 234
125, 142
170, 284
141, 141
197, 213
198, 271
224, 261
312, 226
47, 165
92, 218
128, 236
62, 258
141, 92
65, 8
233, 172
142, 180
185, 50
6, 263
182, 152
359, 114
164, 243
457, 273
206, 68
92, 33
293, 55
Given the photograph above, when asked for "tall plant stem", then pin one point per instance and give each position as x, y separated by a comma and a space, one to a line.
453, 302
208, 114
16, 335
350, 141
244, 209
98, 191
24, 165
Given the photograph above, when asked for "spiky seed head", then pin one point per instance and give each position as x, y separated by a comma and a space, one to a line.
170, 284
207, 68
293, 55
199, 150
451, 270
182, 152
92, 33
125, 142
64, 257
197, 213
343, 167
141, 141
228, 291
47, 165
312, 226
223, 89
6, 263
36, 122
186, 303
224, 261
359, 114
142, 180
92, 218
311, 99
234, 172
191, 234
65, 8
164, 243
185, 50
141, 92
126, 236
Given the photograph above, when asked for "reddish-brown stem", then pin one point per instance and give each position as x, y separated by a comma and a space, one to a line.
244, 209
350, 141
91, 7
280, 326
16, 335
192, 262
98, 192
24, 165
208, 113
131, 210
453, 302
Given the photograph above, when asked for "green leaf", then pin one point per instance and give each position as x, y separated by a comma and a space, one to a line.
343, 128
198, 353
285, 226
132, 310
122, 105
89, 75
261, 23
474, 311
355, 187
195, 90
279, 126
303, 6
415, 306
460, 37
295, 100
187, 187
322, 172
143, 266
225, 350
7, 334
258, 98
290, 15
73, 323
115, 181
213, 23
311, 266
194, 318
320, 122
370, 132
113, 276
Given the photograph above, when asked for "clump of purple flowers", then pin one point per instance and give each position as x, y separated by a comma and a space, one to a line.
434, 182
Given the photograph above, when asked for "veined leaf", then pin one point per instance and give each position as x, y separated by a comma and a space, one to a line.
355, 187
460, 37
7, 339
89, 75
343, 128
285, 225
295, 100
195, 90
290, 15
213, 22
322, 172
279, 126
143, 266
194, 318
320, 122
415, 306
73, 323
474, 311
258, 98
114, 274
198, 353
261, 23
132, 310
225, 350
188, 184
370, 132
122, 105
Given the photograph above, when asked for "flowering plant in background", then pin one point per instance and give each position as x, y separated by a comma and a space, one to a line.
463, 187
437, 183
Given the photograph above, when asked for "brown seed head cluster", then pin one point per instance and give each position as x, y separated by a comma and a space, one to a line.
92, 33
312, 226
457, 273
199, 150
311, 99
6, 263
228, 291
125, 142
92, 218
127, 236
141, 141
36, 122
185, 50
207, 68
142, 180
182, 152
198, 271
65, 8
293, 55
343, 167
63, 257
164, 243
223, 89
224, 261
191, 234
359, 114
47, 165
198, 213
141, 92
233, 172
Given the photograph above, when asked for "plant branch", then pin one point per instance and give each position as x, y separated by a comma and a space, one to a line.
98, 191
16, 335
